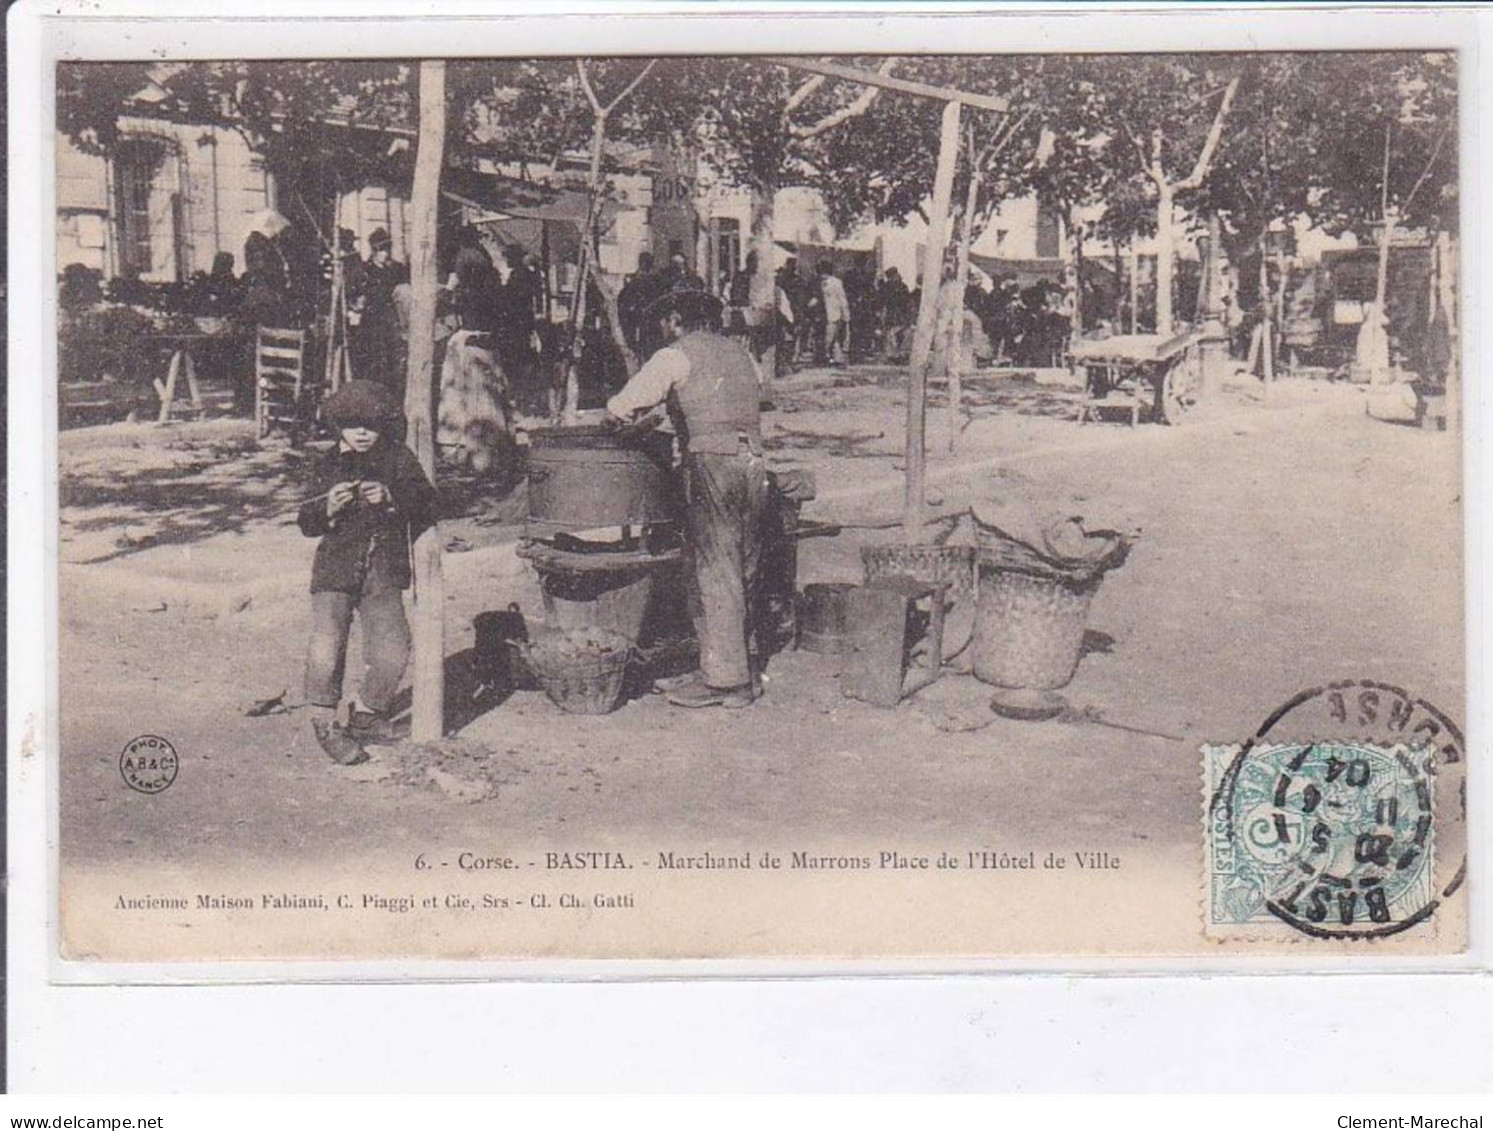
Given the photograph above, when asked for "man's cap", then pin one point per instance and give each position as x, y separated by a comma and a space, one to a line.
686, 300
366, 403
380, 238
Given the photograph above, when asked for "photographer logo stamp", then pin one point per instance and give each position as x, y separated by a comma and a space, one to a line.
148, 764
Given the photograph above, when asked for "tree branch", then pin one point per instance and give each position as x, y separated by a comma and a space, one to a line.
1215, 132
632, 86
580, 69
1384, 176
845, 113
1426, 172
994, 150
801, 95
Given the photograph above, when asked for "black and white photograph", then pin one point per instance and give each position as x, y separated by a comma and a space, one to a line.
840, 506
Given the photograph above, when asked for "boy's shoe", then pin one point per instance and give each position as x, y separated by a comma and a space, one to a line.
369, 726
701, 694
341, 748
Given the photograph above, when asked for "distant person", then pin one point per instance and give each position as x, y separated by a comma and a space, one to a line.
222, 284
265, 287
678, 276
519, 296
376, 339
370, 501
788, 308
836, 315
860, 287
894, 311
639, 292
474, 283
739, 290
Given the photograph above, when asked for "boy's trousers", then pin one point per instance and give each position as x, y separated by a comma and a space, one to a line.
386, 647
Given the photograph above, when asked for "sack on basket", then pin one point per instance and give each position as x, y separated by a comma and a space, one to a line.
1033, 603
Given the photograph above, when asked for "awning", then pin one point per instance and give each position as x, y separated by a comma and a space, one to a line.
499, 199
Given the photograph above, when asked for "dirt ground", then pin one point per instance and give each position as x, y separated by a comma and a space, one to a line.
1282, 543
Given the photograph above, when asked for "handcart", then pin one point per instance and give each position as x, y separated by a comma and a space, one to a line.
1134, 371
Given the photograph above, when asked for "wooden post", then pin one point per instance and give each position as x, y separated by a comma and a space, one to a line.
167, 392
932, 283
189, 370
427, 719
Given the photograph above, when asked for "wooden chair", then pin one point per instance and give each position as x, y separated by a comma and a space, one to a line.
279, 379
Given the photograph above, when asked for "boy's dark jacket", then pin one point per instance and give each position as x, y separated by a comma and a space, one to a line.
366, 549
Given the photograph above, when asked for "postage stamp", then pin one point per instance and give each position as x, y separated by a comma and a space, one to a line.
1331, 839
1334, 838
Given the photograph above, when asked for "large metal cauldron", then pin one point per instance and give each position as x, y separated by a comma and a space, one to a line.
583, 477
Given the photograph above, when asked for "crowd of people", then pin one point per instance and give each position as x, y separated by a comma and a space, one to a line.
834, 317
830, 314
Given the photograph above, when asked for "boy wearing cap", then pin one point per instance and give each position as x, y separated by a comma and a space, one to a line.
370, 500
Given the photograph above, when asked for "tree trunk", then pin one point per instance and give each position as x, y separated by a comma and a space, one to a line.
1075, 318
764, 297
1165, 259
1381, 289
583, 273
614, 322
1119, 287
1267, 336
1446, 287
427, 719
1282, 279
954, 361
1134, 288
917, 371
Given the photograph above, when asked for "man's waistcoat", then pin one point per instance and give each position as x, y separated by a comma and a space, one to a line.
717, 406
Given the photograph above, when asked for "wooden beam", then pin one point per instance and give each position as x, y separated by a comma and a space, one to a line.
891, 82
427, 714
922, 342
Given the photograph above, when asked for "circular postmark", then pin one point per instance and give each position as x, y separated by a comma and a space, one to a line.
1343, 816
148, 764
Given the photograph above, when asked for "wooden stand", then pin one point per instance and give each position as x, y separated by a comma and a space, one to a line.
181, 362
880, 665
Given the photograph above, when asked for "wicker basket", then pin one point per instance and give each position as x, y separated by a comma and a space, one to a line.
615, 601
1029, 628
582, 673
954, 565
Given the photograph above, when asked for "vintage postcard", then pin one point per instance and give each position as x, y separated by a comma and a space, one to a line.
787, 499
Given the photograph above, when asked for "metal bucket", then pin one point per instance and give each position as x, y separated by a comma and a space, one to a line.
823, 623
583, 477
